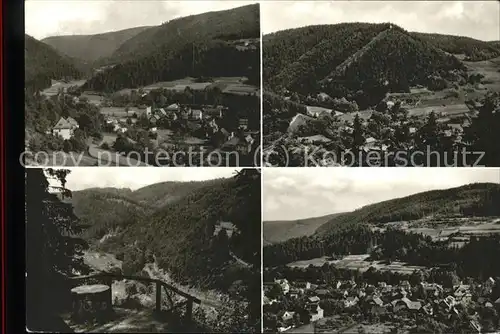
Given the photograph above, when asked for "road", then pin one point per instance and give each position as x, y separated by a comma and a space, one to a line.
108, 158
240, 261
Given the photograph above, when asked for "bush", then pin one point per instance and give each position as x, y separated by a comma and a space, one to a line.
452, 93
35, 144
436, 83
67, 146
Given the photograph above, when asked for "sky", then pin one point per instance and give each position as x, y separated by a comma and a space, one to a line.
296, 193
477, 19
71, 17
137, 177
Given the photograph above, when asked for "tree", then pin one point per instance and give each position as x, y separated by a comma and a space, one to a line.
53, 251
484, 132
67, 146
275, 292
79, 141
358, 133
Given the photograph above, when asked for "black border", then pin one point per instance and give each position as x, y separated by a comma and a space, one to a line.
13, 226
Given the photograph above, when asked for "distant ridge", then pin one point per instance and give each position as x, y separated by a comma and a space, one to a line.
89, 48
475, 198
276, 231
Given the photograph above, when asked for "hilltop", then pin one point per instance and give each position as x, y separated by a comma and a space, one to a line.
90, 48
469, 200
343, 58
43, 63
281, 230
198, 45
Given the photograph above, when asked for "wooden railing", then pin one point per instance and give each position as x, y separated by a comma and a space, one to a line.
108, 279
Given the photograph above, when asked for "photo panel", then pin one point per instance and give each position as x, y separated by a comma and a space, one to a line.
142, 83
141, 250
381, 83
410, 250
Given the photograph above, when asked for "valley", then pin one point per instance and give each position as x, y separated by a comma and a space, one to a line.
174, 255
202, 88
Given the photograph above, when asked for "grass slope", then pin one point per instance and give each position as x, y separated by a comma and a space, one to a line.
482, 198
281, 230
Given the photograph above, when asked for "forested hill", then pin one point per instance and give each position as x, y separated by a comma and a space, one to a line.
344, 58
107, 210
473, 199
43, 63
89, 48
197, 45
181, 232
473, 49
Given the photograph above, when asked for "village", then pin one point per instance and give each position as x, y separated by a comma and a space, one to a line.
401, 121
136, 121
342, 305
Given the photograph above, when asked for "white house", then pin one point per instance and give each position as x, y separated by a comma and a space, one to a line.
196, 114
65, 128
316, 313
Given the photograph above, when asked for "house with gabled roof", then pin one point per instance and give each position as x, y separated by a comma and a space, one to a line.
65, 128
286, 316
228, 227
315, 313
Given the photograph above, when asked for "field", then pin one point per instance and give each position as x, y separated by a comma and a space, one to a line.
451, 101
114, 111
448, 110
240, 89
94, 99
54, 89
357, 262
439, 229
230, 85
490, 70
